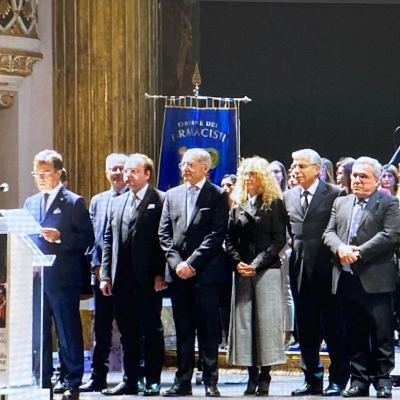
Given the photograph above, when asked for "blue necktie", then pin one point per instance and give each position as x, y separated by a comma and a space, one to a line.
306, 203
44, 205
355, 220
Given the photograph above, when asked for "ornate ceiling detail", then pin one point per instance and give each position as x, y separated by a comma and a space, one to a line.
18, 18
6, 99
17, 62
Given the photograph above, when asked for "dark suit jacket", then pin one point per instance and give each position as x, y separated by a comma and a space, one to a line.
377, 236
309, 252
69, 215
256, 238
147, 257
199, 243
98, 215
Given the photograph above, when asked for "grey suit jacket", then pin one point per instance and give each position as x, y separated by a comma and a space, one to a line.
309, 252
198, 242
377, 236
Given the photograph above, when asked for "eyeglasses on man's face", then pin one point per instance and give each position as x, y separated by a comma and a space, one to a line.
301, 167
44, 174
133, 171
186, 164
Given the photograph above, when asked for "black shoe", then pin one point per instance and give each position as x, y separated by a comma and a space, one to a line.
177, 390
308, 390
93, 385
251, 388
384, 392
60, 387
263, 388
70, 395
141, 385
355, 391
212, 391
120, 389
332, 390
396, 380
152, 390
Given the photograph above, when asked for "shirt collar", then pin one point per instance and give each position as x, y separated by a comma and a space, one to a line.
140, 194
123, 190
312, 189
54, 191
198, 184
253, 199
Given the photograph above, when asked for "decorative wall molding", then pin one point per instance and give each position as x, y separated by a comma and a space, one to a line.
17, 62
18, 18
6, 99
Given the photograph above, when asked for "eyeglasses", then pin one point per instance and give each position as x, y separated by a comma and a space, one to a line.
132, 171
361, 177
250, 174
189, 165
301, 166
116, 169
46, 174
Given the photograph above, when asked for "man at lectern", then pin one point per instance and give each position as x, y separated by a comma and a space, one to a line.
66, 232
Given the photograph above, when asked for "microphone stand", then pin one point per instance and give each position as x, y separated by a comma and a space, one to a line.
396, 153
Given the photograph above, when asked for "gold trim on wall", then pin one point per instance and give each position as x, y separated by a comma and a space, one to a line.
18, 62
19, 18
6, 99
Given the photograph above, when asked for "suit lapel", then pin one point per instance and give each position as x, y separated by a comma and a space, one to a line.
372, 203
202, 199
58, 202
317, 198
297, 200
348, 211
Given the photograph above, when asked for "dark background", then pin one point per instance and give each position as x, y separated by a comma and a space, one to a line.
325, 76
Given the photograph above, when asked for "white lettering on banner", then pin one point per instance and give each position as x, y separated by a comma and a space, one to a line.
205, 132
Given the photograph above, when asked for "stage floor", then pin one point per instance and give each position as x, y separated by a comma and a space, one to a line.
232, 383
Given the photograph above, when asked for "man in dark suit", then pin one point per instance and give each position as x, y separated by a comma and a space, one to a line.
66, 232
308, 207
362, 234
192, 230
104, 312
132, 270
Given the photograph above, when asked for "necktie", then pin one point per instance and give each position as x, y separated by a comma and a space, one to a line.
355, 220
116, 194
305, 203
44, 204
192, 201
133, 205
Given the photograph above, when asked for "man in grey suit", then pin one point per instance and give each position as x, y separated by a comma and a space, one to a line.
308, 207
104, 313
362, 234
132, 270
192, 229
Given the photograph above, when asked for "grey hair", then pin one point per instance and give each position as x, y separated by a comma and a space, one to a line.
115, 158
312, 155
374, 163
202, 156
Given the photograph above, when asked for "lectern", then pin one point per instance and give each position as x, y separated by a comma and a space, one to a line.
20, 258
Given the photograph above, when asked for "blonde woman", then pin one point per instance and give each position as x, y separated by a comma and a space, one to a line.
256, 235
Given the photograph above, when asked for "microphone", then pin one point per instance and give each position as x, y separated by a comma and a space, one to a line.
4, 187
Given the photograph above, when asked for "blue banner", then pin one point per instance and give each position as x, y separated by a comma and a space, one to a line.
212, 129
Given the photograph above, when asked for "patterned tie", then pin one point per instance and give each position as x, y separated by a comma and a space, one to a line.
305, 203
192, 201
44, 204
355, 220
133, 205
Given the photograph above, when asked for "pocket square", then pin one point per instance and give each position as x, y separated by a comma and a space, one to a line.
150, 206
57, 211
